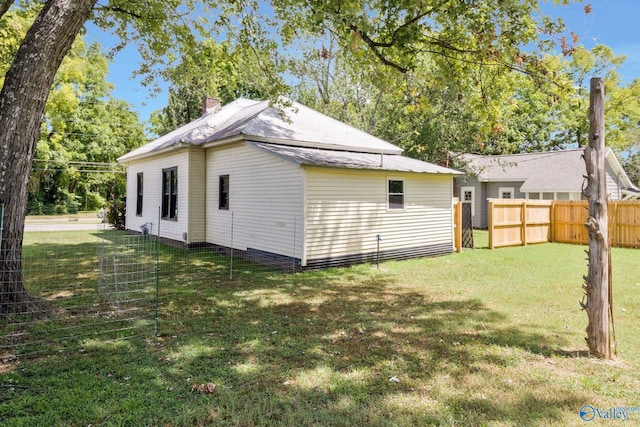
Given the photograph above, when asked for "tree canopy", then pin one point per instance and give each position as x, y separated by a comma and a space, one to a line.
83, 129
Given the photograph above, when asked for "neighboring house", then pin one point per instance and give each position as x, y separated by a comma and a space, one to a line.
289, 185
551, 175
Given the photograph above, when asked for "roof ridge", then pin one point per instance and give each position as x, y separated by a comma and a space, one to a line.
528, 154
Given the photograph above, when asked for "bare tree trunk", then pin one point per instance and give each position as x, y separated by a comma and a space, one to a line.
22, 102
597, 281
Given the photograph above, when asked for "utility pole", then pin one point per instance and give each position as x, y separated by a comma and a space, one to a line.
597, 282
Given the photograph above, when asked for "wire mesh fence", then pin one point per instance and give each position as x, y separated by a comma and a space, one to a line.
81, 285
105, 284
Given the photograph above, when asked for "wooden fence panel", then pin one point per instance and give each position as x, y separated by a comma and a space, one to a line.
626, 223
514, 222
457, 224
569, 218
559, 221
538, 221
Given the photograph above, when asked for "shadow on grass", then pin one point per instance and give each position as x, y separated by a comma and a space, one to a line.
347, 347
334, 347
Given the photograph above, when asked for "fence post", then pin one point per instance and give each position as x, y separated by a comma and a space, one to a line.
614, 228
457, 225
231, 254
157, 314
523, 221
552, 221
491, 227
295, 230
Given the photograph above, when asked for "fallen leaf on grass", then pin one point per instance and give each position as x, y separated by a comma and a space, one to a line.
207, 388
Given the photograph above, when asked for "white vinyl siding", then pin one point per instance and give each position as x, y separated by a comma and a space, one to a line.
196, 196
265, 201
152, 169
613, 183
346, 210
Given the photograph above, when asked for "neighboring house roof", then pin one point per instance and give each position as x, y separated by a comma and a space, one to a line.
259, 121
351, 160
551, 171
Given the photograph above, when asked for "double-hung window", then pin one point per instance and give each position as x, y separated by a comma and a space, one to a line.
395, 194
139, 194
170, 193
223, 192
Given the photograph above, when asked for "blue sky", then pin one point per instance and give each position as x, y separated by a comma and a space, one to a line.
615, 23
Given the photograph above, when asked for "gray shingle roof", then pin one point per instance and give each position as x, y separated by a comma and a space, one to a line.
257, 120
351, 160
547, 171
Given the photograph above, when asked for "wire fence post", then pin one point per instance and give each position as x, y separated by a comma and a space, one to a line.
231, 253
157, 317
295, 226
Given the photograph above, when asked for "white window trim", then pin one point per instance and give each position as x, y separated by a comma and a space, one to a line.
473, 198
404, 194
506, 190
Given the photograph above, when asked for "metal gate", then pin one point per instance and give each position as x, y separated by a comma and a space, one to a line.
467, 226
128, 278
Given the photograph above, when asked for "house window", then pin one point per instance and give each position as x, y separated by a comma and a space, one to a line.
505, 192
396, 194
468, 196
139, 194
223, 192
170, 193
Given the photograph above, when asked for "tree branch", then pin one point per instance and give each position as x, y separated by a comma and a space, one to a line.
373, 46
132, 14
4, 6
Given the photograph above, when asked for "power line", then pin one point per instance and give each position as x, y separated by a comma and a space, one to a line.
82, 170
77, 162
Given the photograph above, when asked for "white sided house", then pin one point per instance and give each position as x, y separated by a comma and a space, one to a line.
288, 186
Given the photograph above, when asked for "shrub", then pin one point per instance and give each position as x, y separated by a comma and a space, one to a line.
35, 207
95, 201
116, 214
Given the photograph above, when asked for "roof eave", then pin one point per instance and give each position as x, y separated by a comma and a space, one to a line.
153, 153
481, 179
549, 190
321, 145
223, 141
370, 169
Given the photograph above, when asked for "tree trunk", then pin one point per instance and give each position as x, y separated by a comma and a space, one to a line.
4, 6
22, 102
597, 281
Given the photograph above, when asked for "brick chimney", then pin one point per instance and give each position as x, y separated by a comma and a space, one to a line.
210, 105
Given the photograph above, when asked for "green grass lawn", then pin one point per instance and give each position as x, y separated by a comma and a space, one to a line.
483, 337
